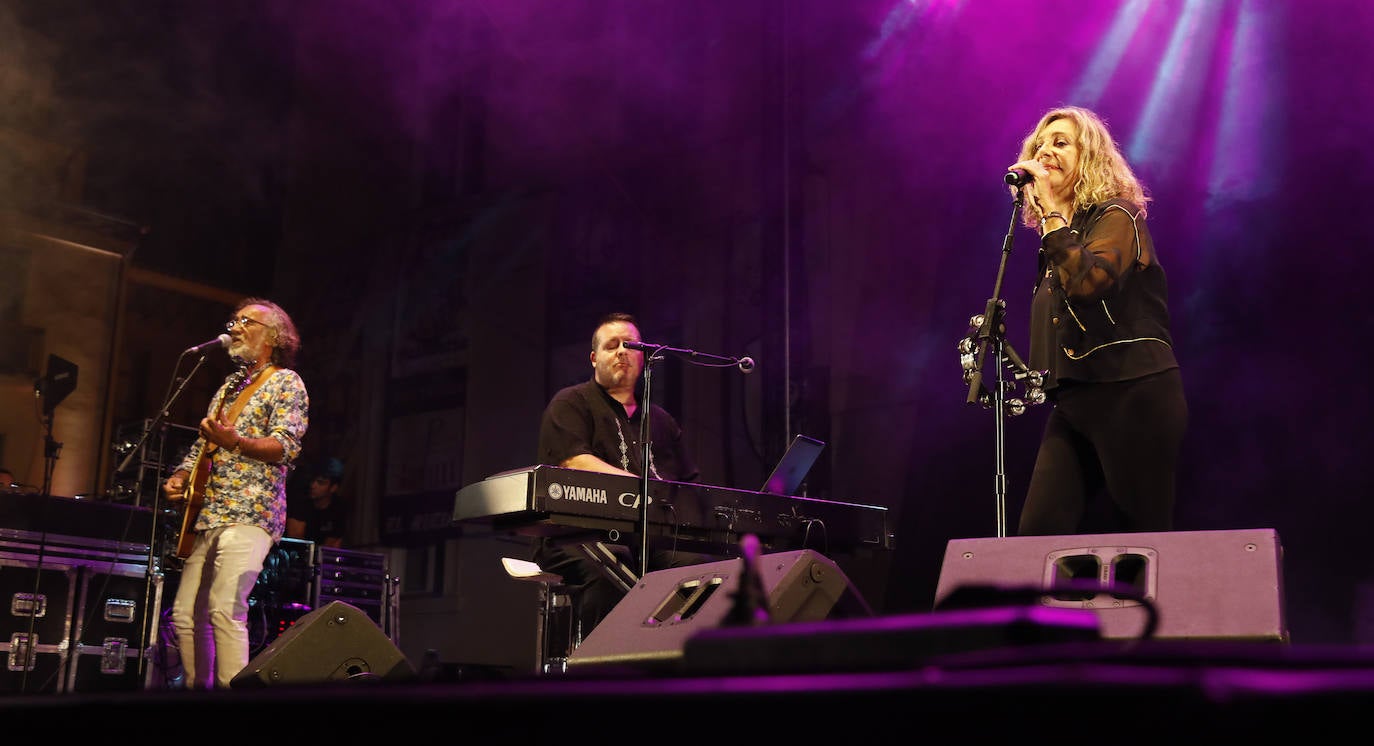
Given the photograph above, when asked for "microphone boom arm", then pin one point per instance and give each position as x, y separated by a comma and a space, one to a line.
695, 357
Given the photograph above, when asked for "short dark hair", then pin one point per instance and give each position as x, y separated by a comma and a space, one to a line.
611, 318
331, 469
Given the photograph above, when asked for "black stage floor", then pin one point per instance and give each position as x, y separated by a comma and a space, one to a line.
991, 674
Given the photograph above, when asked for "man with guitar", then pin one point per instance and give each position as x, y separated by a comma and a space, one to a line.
233, 482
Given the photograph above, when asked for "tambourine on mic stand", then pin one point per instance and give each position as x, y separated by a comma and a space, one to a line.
652, 354
988, 329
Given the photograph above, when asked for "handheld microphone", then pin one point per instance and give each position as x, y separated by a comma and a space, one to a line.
1016, 177
746, 364
222, 340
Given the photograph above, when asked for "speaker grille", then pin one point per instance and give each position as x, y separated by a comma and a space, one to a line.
1204, 584
651, 624
337, 642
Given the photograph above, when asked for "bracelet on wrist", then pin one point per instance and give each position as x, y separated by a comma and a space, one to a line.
238, 442
1044, 219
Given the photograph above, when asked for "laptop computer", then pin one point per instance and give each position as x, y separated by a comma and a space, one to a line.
792, 468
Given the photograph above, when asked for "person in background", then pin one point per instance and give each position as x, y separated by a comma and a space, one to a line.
1100, 326
249, 441
323, 518
595, 426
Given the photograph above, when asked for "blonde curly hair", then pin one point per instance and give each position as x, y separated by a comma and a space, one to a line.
1103, 173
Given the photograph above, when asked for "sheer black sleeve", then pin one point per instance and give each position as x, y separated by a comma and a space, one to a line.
1093, 261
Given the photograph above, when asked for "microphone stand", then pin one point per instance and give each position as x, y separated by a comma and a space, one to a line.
162, 414
51, 449
646, 445
653, 354
154, 566
987, 328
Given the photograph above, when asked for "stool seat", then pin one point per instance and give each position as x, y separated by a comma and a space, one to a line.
526, 570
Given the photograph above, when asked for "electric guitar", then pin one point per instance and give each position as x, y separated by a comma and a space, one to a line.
194, 497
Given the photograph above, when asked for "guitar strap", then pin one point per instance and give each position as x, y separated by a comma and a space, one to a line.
241, 400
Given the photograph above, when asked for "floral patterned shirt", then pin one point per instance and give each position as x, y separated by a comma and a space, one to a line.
245, 490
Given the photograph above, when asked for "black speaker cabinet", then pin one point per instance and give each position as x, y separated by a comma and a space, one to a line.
333, 643
649, 626
1203, 584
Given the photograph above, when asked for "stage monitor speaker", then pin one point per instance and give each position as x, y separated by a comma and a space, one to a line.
1204, 585
337, 642
649, 626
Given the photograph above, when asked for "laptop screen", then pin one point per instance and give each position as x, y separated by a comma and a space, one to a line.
793, 467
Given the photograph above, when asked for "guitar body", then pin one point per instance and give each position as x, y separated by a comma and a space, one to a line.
194, 500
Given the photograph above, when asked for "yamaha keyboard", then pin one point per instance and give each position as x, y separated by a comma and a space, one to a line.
552, 501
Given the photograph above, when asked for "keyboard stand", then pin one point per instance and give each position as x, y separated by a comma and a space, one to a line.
611, 564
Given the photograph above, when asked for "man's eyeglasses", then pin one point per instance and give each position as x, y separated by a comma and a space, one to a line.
242, 321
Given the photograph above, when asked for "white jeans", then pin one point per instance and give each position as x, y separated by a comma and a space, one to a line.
210, 612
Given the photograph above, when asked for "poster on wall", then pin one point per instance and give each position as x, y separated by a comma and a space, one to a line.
425, 410
430, 325
423, 473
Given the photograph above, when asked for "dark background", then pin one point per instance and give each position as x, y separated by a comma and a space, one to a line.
446, 195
